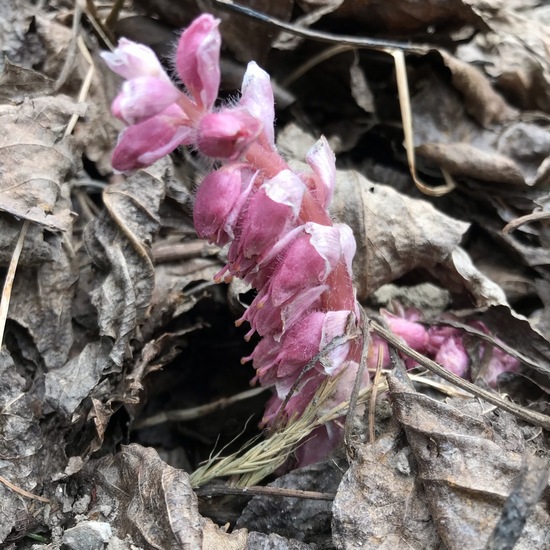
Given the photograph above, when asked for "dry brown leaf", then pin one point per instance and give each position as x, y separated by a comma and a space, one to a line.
27, 461
141, 496
42, 302
480, 99
513, 152
68, 384
20, 44
407, 16
467, 463
215, 538
379, 503
395, 233
514, 51
37, 160
460, 276
18, 82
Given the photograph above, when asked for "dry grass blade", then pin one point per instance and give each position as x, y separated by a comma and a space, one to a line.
22, 492
406, 117
85, 88
528, 218
265, 457
10, 277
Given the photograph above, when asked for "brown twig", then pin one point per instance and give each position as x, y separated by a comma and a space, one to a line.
321, 36
255, 490
184, 415
22, 492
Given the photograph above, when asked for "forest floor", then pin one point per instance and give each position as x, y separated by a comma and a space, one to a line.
121, 384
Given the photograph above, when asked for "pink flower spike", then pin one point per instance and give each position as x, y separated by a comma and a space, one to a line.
322, 161
143, 144
269, 214
257, 99
226, 134
132, 60
144, 97
219, 200
198, 60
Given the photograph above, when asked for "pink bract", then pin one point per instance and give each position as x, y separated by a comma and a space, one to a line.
198, 60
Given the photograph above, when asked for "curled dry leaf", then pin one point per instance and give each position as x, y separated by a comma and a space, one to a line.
119, 243
141, 496
461, 278
395, 234
480, 99
514, 51
42, 302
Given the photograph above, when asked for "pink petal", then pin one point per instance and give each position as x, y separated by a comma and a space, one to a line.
143, 144
269, 214
198, 59
257, 98
300, 344
322, 160
348, 245
219, 200
142, 98
226, 134
132, 60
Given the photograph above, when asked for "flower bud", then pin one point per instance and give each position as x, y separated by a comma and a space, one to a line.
414, 334
132, 60
198, 60
453, 356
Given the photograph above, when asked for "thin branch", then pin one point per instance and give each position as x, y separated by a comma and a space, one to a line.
255, 490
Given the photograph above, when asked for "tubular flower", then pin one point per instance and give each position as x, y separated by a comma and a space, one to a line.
281, 237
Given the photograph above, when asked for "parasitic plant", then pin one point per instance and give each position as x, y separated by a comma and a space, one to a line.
281, 238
